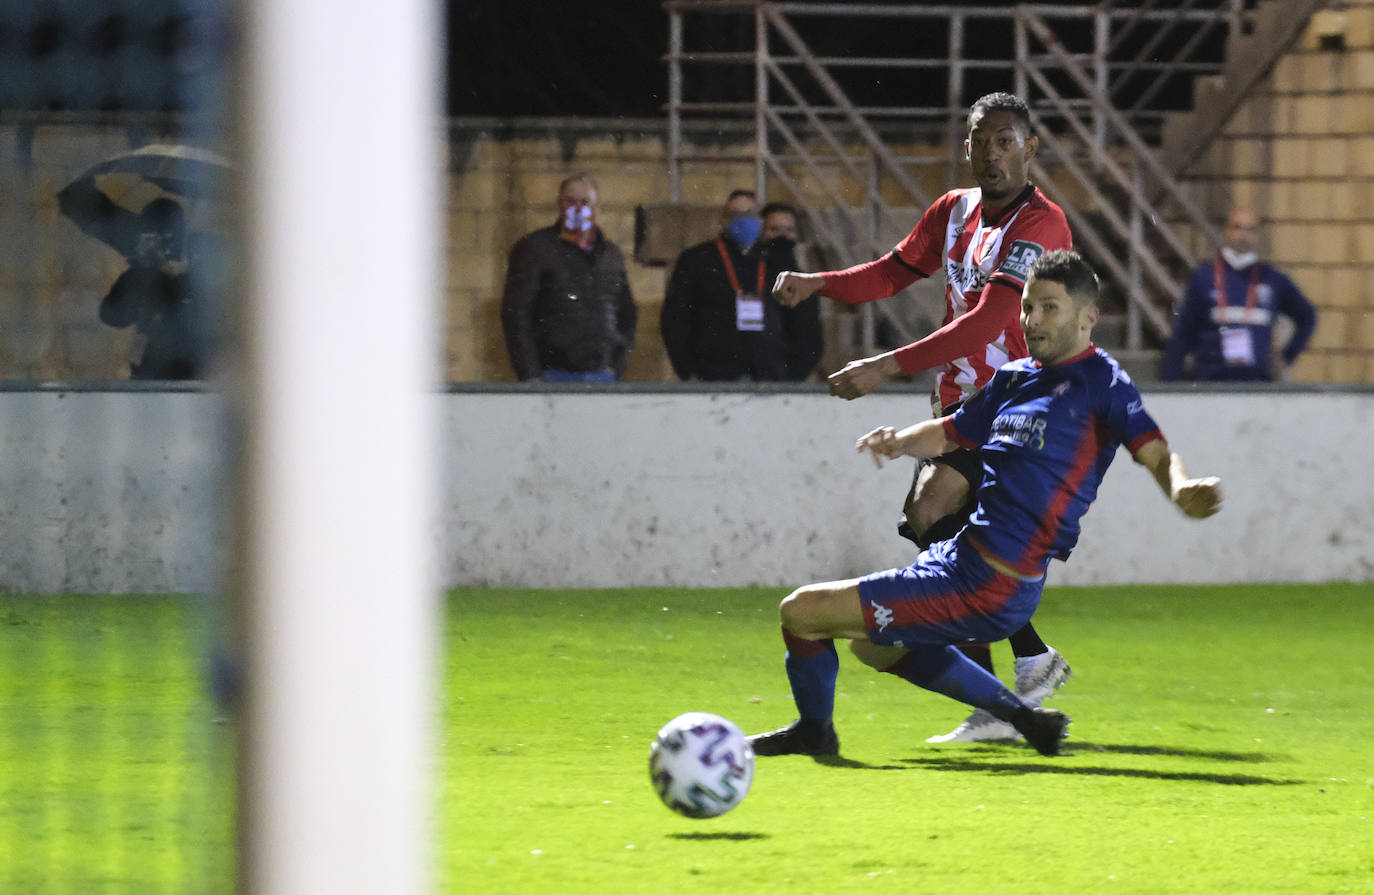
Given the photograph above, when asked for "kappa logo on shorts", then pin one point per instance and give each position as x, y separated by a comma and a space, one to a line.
882, 616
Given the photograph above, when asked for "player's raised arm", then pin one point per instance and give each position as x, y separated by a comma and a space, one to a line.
959, 338
1196, 497
925, 439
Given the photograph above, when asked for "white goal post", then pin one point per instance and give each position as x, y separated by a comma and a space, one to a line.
340, 186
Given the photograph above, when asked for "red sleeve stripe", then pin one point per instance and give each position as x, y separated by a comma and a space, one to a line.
1141, 440
958, 437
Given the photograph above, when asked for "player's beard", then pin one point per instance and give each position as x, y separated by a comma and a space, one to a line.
1058, 345
998, 187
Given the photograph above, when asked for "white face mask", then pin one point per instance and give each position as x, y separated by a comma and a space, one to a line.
577, 218
1237, 260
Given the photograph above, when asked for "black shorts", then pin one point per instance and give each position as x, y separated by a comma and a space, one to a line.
967, 463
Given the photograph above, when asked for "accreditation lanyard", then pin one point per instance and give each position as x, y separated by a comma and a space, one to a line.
1251, 294
730, 269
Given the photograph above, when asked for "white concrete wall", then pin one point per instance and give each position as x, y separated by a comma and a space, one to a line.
110, 492
738, 489
120, 492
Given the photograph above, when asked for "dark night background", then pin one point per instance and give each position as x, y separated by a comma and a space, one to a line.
506, 58
601, 59
531, 57
535, 57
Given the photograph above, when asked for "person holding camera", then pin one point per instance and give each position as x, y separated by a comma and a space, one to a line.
156, 297
158, 294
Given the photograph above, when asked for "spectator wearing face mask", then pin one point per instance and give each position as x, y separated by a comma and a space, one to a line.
720, 323
567, 310
1225, 321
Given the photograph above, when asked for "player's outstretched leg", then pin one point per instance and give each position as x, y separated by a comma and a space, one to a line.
981, 726
812, 666
1040, 670
948, 671
1043, 728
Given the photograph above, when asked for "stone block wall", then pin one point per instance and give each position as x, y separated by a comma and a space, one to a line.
52, 276
504, 184
1300, 151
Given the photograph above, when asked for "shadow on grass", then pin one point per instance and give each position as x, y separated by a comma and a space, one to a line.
729, 837
1048, 766
839, 761
1208, 754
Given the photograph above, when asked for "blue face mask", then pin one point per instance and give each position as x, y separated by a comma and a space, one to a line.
744, 230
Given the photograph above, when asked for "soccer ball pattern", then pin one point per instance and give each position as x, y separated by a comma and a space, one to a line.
701, 765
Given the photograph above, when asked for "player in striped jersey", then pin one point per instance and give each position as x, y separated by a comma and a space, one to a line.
1048, 427
984, 239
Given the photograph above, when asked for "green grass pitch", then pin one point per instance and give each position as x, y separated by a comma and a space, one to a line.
1222, 742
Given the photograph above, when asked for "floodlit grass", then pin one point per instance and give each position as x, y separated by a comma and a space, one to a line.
1223, 742
114, 775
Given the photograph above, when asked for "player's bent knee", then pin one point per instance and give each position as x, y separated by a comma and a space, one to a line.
798, 613
818, 611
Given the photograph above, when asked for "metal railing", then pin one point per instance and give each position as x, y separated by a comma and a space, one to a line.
1101, 80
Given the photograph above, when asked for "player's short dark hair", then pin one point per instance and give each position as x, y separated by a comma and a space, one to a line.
775, 207
1071, 271
1001, 102
735, 194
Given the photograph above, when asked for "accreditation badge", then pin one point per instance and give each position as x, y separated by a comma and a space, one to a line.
1237, 346
748, 313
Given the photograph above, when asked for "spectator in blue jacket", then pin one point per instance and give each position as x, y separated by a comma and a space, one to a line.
1225, 319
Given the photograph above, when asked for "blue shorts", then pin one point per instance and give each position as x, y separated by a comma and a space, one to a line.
948, 595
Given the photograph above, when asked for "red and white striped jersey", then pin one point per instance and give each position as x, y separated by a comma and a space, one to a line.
978, 256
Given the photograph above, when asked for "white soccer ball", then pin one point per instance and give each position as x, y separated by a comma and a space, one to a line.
701, 765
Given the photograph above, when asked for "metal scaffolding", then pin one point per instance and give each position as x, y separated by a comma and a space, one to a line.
1103, 81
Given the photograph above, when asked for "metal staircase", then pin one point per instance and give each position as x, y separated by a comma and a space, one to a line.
858, 113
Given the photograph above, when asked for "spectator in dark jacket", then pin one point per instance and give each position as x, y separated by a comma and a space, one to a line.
720, 321
567, 310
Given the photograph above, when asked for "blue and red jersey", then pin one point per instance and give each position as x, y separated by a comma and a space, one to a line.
1046, 436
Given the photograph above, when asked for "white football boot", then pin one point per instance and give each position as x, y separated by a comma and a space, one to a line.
1039, 676
980, 726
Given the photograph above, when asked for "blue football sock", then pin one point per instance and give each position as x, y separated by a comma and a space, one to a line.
946, 670
812, 666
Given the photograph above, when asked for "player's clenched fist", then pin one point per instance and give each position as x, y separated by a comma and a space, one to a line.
1199, 498
791, 288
